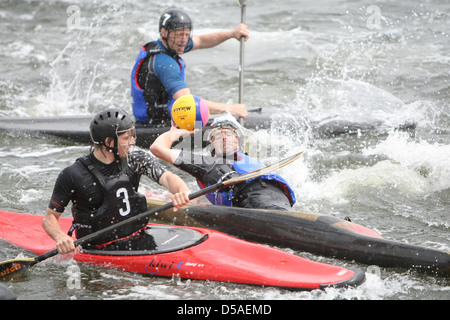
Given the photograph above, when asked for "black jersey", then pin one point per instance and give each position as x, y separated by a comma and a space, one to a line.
77, 184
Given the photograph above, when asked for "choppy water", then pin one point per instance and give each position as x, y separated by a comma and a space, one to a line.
313, 61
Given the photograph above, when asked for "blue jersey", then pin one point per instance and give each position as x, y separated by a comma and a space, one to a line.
157, 75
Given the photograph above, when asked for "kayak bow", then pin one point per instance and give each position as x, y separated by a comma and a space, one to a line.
315, 233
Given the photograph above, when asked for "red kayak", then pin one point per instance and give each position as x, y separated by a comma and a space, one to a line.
192, 253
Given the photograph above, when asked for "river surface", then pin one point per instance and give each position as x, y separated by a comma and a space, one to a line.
381, 63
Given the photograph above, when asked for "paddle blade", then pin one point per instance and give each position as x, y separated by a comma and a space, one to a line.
265, 170
242, 3
10, 267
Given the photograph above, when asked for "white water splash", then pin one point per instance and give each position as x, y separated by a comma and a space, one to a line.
427, 162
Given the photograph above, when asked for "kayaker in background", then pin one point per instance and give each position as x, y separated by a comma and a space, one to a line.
103, 188
226, 160
158, 76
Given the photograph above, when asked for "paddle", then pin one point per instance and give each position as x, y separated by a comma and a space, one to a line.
242, 4
10, 267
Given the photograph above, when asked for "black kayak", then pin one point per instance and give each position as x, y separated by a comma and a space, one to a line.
315, 233
76, 128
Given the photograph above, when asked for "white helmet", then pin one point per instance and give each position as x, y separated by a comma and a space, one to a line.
225, 122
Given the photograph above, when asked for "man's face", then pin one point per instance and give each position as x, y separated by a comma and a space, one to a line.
225, 141
177, 39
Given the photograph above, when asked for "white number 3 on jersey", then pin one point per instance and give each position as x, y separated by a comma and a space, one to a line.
123, 193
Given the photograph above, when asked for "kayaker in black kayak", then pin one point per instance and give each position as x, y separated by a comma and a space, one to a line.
158, 76
226, 160
103, 188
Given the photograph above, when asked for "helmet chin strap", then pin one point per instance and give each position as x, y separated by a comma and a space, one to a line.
114, 149
123, 163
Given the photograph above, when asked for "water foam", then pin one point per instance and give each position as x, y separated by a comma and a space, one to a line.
425, 160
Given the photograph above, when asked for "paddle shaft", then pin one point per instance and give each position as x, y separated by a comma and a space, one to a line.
13, 266
243, 5
118, 225
241, 60
169, 205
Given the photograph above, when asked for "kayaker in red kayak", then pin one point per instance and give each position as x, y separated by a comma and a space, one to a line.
226, 160
103, 187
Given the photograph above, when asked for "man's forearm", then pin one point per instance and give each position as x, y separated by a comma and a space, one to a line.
212, 39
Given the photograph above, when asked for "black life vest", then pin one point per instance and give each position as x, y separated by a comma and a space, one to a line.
120, 202
149, 97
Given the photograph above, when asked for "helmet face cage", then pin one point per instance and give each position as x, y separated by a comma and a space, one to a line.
217, 127
131, 133
131, 136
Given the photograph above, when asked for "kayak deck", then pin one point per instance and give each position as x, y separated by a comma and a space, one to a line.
193, 253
